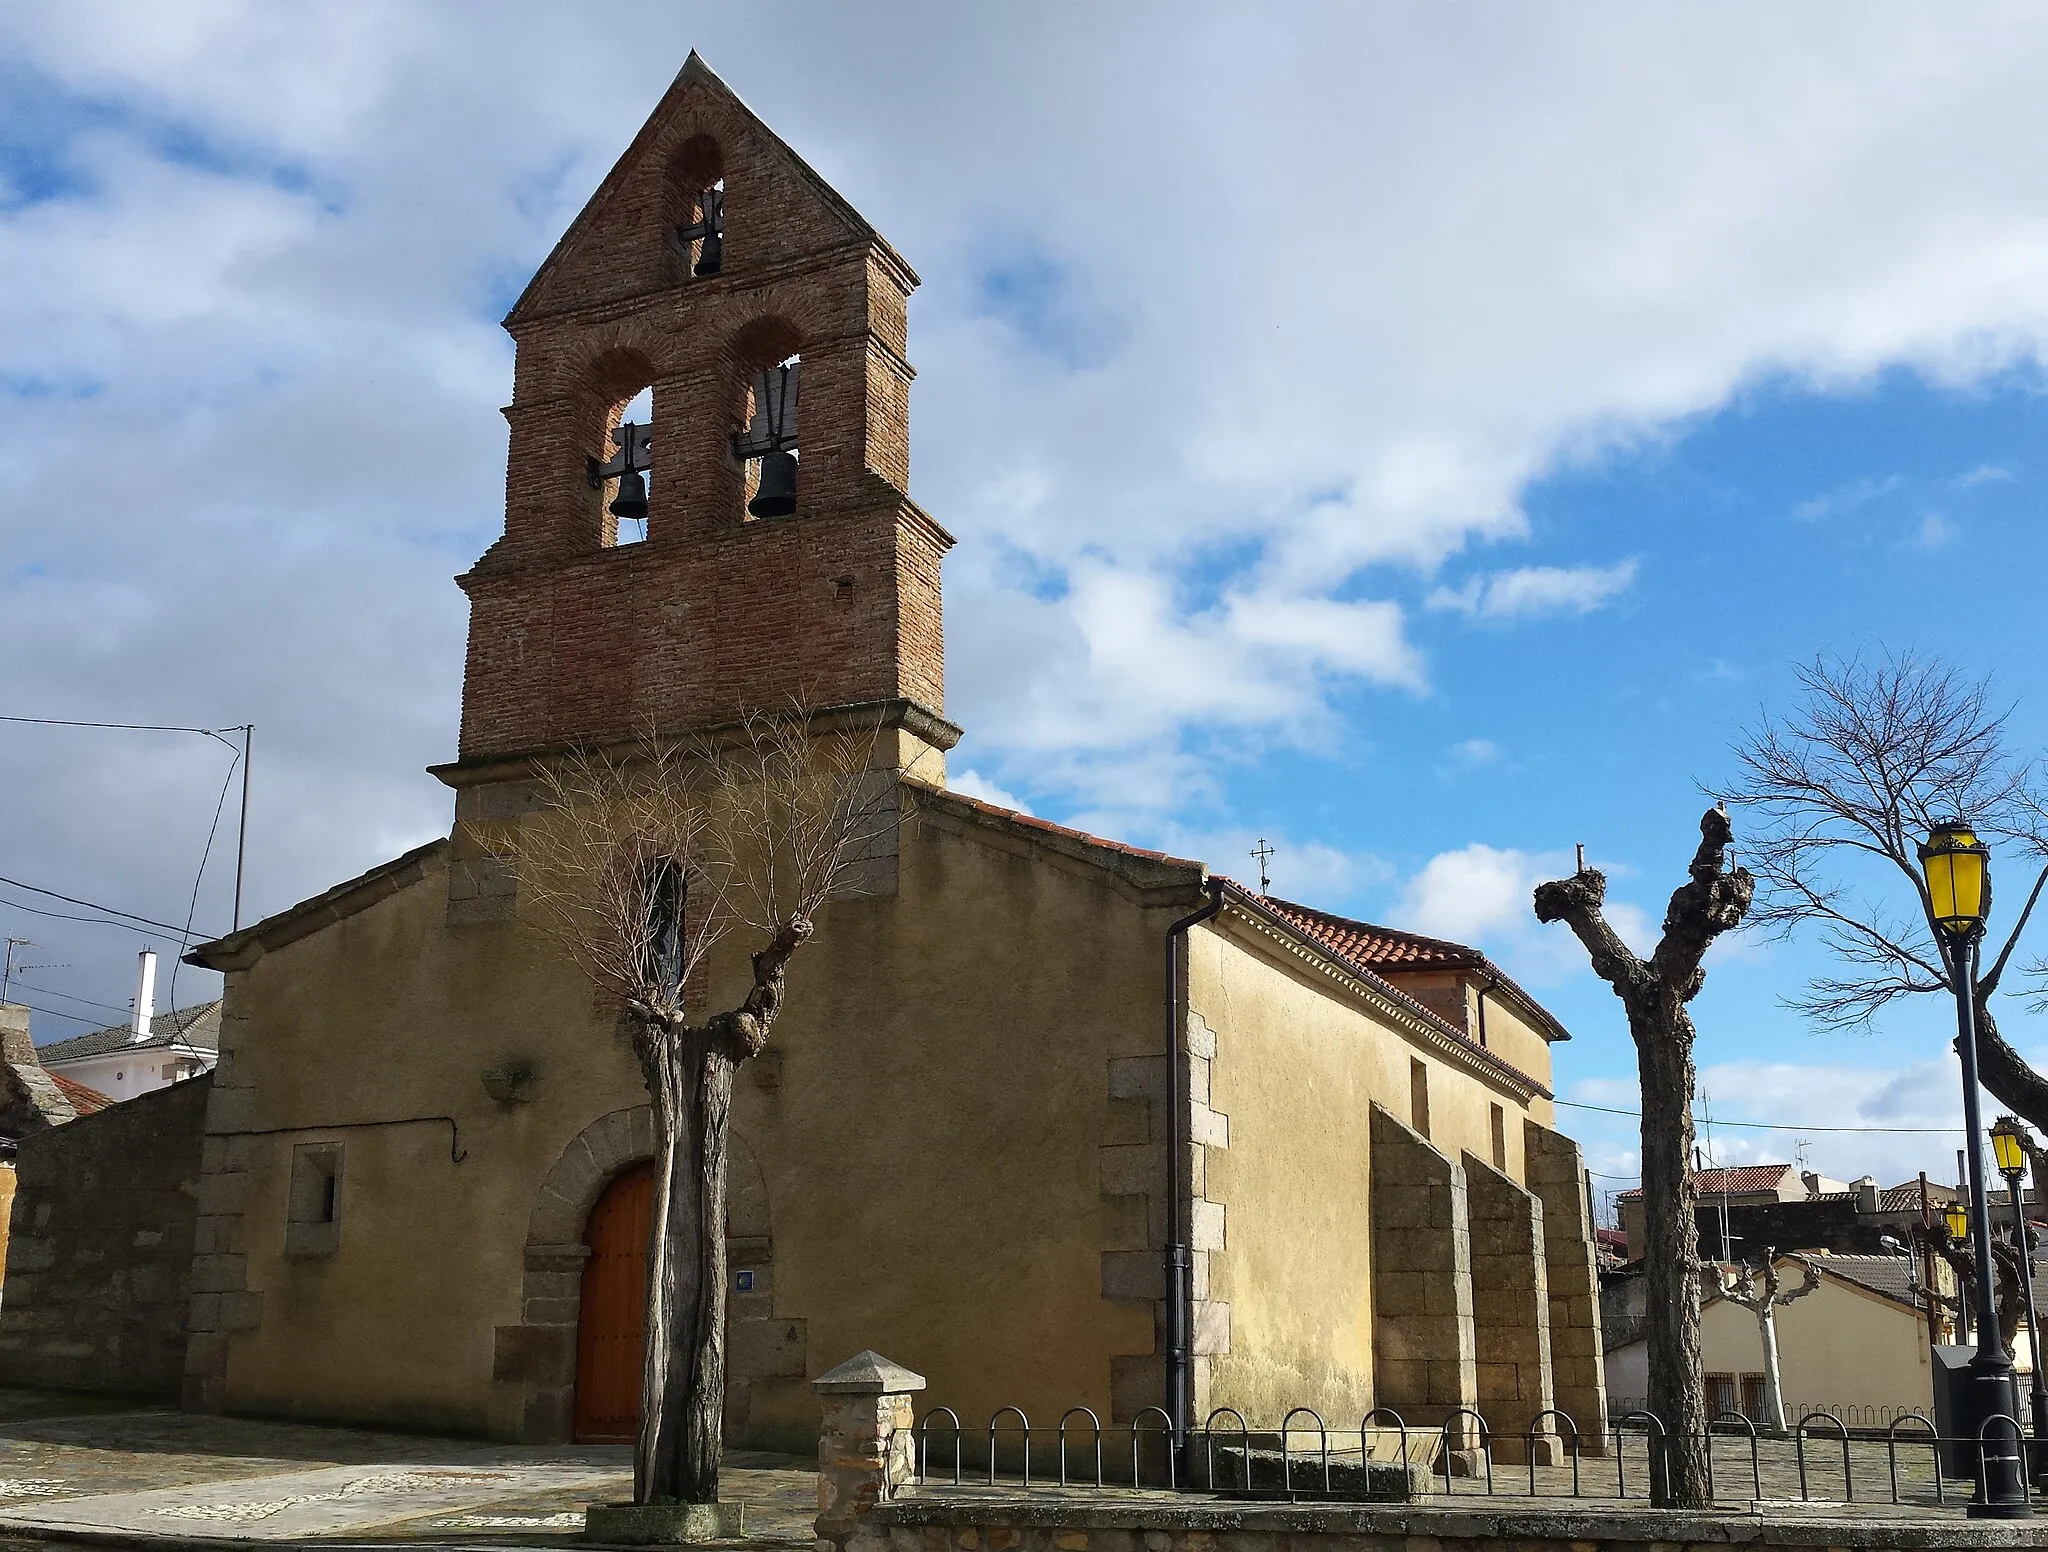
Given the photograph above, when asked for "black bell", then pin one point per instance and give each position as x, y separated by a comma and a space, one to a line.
777, 495
711, 255
632, 498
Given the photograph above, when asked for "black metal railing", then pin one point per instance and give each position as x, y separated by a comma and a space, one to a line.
1821, 1459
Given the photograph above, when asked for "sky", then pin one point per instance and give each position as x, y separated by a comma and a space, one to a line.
1421, 436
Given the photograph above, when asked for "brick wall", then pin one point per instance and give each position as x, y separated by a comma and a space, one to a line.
574, 636
99, 1250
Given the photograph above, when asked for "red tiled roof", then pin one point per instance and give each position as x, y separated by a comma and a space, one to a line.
84, 1100
1389, 951
1377, 948
1735, 1181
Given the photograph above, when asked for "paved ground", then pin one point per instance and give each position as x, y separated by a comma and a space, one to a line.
87, 1471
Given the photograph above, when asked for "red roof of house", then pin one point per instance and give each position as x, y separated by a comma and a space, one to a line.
1734, 1181
1377, 948
84, 1100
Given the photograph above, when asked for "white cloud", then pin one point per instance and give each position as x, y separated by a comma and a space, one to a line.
974, 785
1197, 491
1843, 499
1531, 592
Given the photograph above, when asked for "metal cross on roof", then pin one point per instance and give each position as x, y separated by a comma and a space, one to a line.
1260, 854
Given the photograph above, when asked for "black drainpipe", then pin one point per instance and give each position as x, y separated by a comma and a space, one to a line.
1179, 1358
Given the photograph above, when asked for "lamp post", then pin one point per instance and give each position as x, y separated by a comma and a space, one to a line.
1958, 879
1956, 1219
2009, 1148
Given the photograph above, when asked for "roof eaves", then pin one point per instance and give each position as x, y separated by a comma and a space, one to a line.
1446, 955
239, 950
1441, 1028
1134, 866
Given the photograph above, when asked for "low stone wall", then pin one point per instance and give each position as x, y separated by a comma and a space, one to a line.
99, 1248
1132, 1524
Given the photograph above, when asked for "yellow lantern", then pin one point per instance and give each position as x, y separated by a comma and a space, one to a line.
1958, 1220
2009, 1145
1958, 869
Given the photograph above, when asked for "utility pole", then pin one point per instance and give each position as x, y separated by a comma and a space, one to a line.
248, 731
7, 972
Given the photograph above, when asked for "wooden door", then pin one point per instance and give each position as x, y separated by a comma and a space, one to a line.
610, 1330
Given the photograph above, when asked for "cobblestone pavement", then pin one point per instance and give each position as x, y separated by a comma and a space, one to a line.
71, 1464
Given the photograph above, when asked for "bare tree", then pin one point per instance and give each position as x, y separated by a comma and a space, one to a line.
1762, 1292
1654, 994
638, 864
1838, 795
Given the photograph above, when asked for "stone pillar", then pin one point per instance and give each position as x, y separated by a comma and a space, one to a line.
1578, 1379
1510, 1315
1424, 1352
866, 1445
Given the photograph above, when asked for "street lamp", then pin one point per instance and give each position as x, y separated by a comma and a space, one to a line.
2009, 1148
1957, 867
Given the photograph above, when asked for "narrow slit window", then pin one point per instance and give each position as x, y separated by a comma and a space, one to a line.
1418, 1096
1500, 1138
313, 1209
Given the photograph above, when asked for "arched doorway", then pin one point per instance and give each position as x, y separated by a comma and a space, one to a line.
613, 1318
604, 1404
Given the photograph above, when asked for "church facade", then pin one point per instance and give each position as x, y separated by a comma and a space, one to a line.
426, 1135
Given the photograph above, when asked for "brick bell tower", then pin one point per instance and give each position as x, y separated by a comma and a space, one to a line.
716, 269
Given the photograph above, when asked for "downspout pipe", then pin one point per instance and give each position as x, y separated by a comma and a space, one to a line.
1179, 1291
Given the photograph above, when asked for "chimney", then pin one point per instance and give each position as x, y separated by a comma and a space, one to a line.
145, 994
1866, 1194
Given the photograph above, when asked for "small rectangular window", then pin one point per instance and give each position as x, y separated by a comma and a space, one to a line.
1418, 1096
1500, 1139
1720, 1394
1752, 1398
313, 1214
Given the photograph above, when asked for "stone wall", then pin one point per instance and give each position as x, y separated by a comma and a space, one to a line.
99, 1251
1129, 1524
1510, 1315
1578, 1381
1424, 1347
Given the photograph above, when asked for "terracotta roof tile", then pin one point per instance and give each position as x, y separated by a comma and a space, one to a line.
1742, 1178
1377, 948
84, 1100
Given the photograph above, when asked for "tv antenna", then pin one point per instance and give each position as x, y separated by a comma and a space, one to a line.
1261, 854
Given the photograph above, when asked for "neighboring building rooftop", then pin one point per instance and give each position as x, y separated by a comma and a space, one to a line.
1906, 1198
1891, 1276
84, 1100
196, 1027
1736, 1181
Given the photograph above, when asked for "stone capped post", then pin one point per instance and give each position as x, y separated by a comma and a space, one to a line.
864, 1445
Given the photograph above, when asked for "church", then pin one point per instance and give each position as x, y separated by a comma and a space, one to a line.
1054, 1121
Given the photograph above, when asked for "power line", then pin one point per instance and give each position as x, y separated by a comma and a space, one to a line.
125, 727
51, 991
54, 1013
1779, 1126
93, 905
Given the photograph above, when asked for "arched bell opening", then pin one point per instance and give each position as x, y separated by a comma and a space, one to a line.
693, 208
766, 356
620, 473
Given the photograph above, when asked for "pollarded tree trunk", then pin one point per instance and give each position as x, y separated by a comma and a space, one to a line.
1677, 1386
689, 1072
1654, 994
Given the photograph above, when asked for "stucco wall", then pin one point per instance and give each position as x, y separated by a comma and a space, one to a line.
1840, 1346
928, 1132
1298, 1066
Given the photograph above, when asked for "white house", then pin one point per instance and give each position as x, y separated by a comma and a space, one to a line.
151, 1051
